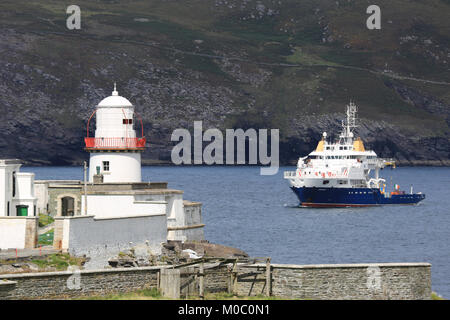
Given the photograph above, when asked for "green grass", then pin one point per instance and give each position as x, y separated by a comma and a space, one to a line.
304, 58
46, 239
60, 261
45, 220
144, 294
154, 294
435, 296
230, 296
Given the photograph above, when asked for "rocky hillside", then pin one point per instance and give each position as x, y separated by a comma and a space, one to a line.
284, 64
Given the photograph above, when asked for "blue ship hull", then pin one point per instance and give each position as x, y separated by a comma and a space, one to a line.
351, 197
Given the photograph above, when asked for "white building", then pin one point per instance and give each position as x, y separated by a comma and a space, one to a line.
18, 221
116, 210
121, 209
16, 190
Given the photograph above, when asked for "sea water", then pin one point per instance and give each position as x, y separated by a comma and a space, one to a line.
260, 215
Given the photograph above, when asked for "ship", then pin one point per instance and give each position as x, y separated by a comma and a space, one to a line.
342, 173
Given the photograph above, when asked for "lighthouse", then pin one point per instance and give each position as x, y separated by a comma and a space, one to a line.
115, 151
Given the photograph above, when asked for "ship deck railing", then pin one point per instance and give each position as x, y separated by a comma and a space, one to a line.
290, 174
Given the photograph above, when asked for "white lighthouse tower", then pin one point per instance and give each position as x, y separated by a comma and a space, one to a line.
115, 151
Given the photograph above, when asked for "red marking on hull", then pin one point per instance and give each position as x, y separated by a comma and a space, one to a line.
334, 205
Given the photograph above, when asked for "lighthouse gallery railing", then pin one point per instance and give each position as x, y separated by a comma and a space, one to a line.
114, 143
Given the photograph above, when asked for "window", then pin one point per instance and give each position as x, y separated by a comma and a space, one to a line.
127, 121
105, 165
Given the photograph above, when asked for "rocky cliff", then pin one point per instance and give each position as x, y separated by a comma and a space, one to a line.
287, 64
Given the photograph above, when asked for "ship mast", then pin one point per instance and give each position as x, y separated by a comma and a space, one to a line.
346, 136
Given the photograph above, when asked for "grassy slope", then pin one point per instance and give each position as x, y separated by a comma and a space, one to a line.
319, 84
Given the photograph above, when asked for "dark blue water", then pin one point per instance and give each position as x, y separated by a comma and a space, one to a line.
258, 214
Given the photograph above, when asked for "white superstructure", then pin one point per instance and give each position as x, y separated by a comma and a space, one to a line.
344, 163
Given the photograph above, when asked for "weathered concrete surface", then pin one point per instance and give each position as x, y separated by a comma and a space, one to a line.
26, 253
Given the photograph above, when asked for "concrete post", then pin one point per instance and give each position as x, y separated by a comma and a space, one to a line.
202, 281
233, 279
170, 283
268, 278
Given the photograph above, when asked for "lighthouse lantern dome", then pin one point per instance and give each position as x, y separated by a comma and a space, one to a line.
114, 100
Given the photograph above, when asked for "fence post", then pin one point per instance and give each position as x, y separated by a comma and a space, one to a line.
268, 277
158, 277
202, 282
233, 278
170, 283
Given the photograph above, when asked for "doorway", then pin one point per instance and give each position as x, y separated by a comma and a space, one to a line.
67, 206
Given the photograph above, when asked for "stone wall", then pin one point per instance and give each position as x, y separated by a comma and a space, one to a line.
47, 285
31, 232
341, 281
410, 281
56, 192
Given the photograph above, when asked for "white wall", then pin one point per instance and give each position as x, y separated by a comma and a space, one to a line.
109, 122
89, 235
7, 167
25, 192
182, 215
121, 205
24, 188
4, 196
41, 193
12, 233
123, 166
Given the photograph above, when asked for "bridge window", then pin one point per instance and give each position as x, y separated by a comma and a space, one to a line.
127, 121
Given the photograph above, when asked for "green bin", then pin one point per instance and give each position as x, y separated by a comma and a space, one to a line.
22, 211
